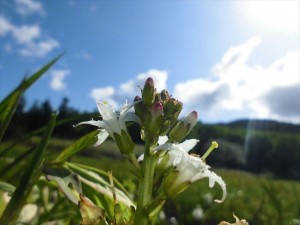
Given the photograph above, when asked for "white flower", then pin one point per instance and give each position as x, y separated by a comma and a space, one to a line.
190, 168
111, 122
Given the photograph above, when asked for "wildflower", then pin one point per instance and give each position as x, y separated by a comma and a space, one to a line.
114, 125
187, 168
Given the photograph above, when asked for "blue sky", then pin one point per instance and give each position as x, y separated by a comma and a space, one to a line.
226, 59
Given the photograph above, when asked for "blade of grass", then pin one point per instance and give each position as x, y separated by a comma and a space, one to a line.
100, 172
30, 80
38, 131
28, 180
4, 186
81, 143
9, 110
9, 104
15, 163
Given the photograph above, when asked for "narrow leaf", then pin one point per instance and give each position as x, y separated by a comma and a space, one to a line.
4, 186
28, 180
64, 178
80, 144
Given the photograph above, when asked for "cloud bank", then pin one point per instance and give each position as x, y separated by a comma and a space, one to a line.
57, 82
128, 90
29, 7
233, 89
27, 40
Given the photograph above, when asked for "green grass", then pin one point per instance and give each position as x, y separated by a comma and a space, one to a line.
257, 199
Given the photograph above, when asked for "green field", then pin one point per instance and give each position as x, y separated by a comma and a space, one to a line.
255, 198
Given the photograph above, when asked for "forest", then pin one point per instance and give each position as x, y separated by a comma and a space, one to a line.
264, 147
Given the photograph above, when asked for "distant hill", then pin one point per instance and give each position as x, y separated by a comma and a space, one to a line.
264, 125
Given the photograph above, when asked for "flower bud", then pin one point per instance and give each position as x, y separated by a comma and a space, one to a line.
172, 109
124, 142
154, 118
140, 108
164, 128
164, 95
148, 93
183, 127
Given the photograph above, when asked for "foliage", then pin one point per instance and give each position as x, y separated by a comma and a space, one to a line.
29, 152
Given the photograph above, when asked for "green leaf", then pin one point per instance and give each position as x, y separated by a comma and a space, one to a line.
9, 109
38, 131
28, 179
4, 186
5, 173
9, 104
99, 184
80, 144
64, 178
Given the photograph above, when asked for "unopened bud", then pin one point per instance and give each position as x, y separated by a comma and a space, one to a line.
154, 118
164, 128
164, 95
140, 108
183, 127
157, 110
148, 93
172, 109
124, 142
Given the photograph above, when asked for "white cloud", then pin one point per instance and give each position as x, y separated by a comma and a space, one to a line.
57, 82
29, 7
131, 88
5, 26
106, 93
29, 39
236, 87
40, 48
26, 34
272, 15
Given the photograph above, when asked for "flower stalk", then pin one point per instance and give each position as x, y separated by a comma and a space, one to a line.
166, 168
145, 188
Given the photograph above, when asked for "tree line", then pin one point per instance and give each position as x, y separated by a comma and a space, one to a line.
259, 146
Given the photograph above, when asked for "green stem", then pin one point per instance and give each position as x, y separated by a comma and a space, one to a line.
134, 161
145, 188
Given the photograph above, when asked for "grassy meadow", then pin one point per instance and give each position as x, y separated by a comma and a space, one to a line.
259, 200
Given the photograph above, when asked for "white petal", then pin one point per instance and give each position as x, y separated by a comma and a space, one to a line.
130, 117
167, 146
91, 122
162, 139
222, 184
101, 137
213, 178
125, 107
188, 144
106, 111
141, 158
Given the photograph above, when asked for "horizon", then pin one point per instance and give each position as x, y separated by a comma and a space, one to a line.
242, 63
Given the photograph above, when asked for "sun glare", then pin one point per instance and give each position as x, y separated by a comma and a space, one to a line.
273, 15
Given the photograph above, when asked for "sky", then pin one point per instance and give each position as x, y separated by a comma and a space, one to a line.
227, 60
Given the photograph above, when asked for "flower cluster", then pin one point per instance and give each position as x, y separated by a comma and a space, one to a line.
165, 168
